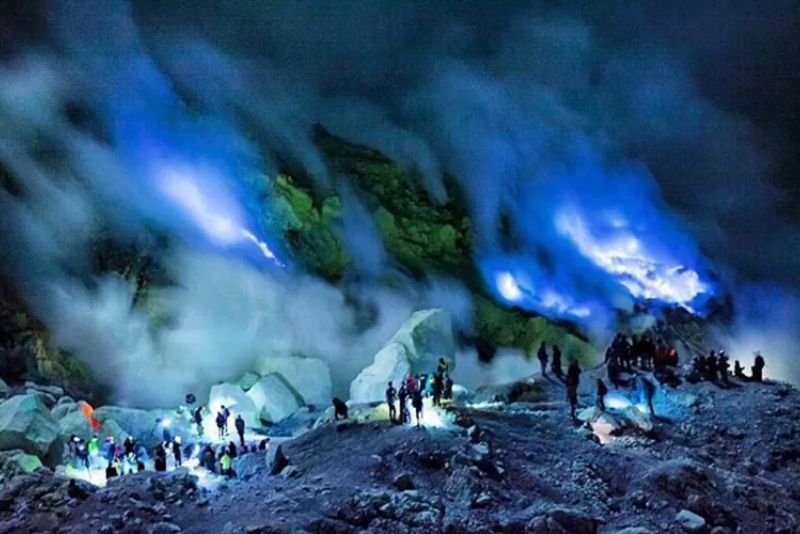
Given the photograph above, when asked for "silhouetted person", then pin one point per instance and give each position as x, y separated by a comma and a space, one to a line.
239, 424
128, 446
198, 420
220, 424
391, 396
160, 458
226, 413
411, 383
672, 357
448, 387
613, 370
738, 370
723, 366
176, 451
601, 394
340, 410
443, 367
416, 401
231, 449
758, 369
711, 366
661, 356
556, 364
573, 380
438, 386
542, 355
209, 459
402, 396
649, 391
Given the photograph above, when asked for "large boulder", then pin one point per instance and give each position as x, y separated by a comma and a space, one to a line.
233, 397
26, 424
310, 377
74, 423
274, 398
16, 462
416, 347
391, 364
63, 407
427, 336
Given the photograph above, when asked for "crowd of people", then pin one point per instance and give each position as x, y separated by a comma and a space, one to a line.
130, 457
643, 353
415, 388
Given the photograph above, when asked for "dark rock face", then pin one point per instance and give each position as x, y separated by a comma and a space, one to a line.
276, 459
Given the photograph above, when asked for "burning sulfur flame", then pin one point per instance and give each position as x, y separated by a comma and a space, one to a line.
622, 254
212, 208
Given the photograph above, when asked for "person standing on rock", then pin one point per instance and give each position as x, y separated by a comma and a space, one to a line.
411, 383
556, 365
198, 420
601, 394
438, 386
176, 451
573, 380
226, 413
613, 370
391, 396
403, 397
738, 370
416, 400
758, 368
723, 366
239, 424
220, 424
542, 355
443, 367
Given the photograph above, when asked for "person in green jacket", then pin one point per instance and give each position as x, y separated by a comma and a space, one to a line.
225, 464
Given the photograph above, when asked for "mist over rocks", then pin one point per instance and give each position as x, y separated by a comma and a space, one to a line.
415, 348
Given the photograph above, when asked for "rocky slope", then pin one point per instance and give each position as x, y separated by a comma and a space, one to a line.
716, 459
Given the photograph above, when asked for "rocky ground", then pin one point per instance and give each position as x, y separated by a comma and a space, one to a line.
719, 460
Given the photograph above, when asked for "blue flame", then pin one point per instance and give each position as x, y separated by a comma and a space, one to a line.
191, 170
607, 241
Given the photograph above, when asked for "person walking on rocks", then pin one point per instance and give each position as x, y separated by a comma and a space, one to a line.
556, 364
198, 420
239, 424
542, 355
176, 451
443, 367
601, 394
438, 386
391, 396
220, 424
573, 380
416, 400
758, 368
226, 413
403, 397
